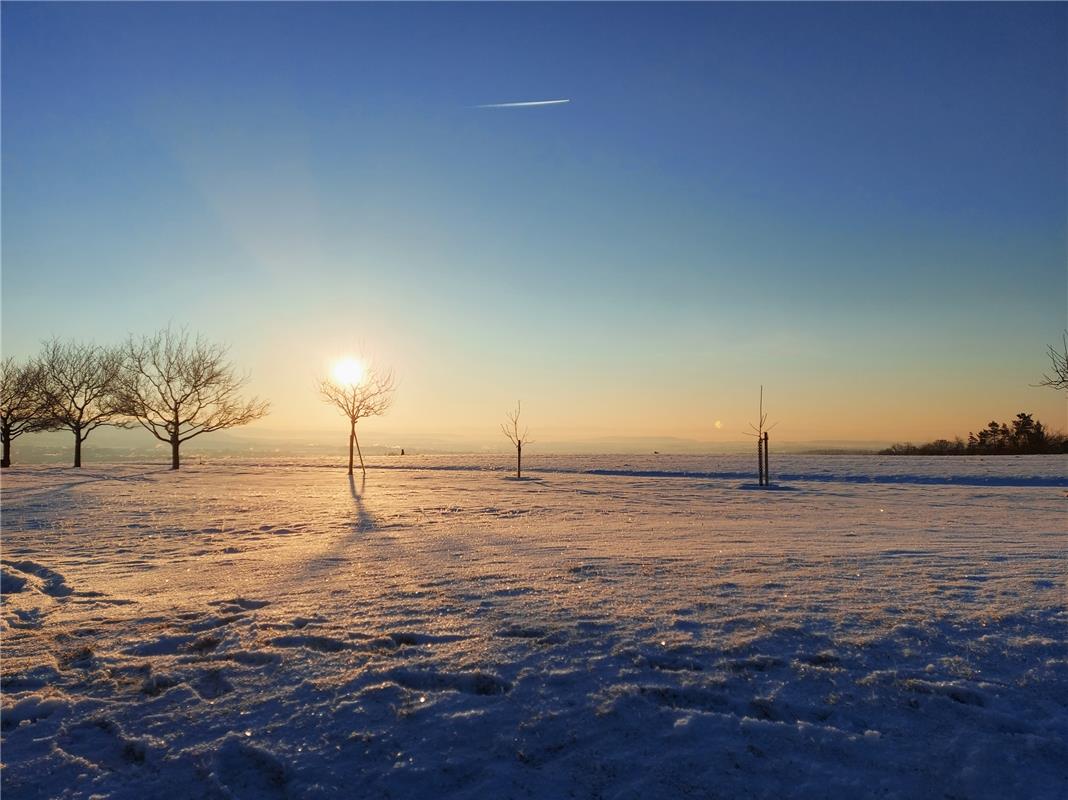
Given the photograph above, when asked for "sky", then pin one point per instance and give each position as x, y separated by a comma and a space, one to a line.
860, 207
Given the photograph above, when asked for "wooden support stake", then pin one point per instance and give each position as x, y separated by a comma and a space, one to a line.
767, 474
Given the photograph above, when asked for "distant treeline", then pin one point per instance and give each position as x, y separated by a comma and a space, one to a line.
1025, 436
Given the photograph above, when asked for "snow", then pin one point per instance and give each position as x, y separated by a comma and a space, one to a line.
613, 627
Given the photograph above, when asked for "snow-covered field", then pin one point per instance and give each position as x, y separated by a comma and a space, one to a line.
646, 627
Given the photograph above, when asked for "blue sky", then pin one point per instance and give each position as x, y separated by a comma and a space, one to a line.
861, 206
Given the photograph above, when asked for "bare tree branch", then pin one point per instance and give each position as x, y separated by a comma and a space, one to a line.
511, 430
762, 426
23, 406
79, 385
1057, 377
370, 397
760, 432
178, 387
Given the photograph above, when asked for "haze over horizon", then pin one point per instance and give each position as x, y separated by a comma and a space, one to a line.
109, 444
862, 208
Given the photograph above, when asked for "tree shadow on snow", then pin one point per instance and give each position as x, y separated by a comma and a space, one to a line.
85, 478
525, 479
364, 520
774, 487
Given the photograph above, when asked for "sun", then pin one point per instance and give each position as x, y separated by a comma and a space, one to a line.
348, 371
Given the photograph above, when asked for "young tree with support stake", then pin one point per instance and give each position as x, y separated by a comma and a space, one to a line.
22, 403
80, 384
760, 431
511, 430
358, 394
178, 388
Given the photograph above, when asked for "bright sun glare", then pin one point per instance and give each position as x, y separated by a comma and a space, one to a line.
348, 371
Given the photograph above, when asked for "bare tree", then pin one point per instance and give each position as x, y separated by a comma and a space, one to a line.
79, 386
177, 388
1057, 377
511, 430
22, 403
760, 431
371, 396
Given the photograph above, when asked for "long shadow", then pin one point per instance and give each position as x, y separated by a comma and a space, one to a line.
363, 523
992, 481
526, 479
88, 477
364, 520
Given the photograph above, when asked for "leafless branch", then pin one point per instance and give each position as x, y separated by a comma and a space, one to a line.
511, 428
371, 397
762, 426
1057, 377
22, 400
80, 382
23, 403
178, 387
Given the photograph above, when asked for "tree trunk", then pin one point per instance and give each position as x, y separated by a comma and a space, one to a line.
176, 432
352, 438
519, 461
78, 449
5, 434
767, 475
358, 451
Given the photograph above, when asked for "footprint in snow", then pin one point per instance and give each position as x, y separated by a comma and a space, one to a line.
478, 683
324, 644
691, 698
10, 583
30, 709
303, 622
211, 684
205, 644
102, 743
245, 770
668, 662
52, 582
251, 658
240, 604
28, 619
758, 663
518, 632
209, 623
825, 659
161, 646
33, 678
76, 658
409, 638
156, 684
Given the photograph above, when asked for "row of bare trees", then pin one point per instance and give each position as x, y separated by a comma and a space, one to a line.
178, 387
174, 385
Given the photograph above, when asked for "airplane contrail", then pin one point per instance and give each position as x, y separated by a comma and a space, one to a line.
525, 103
